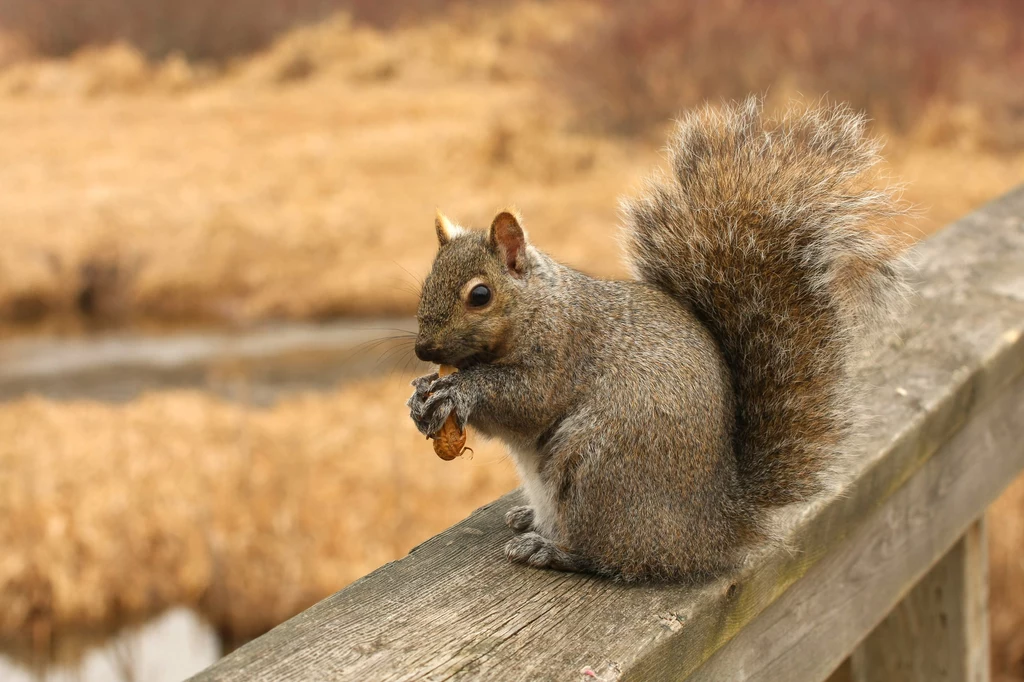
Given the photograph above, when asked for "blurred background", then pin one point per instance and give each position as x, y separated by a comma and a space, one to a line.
214, 217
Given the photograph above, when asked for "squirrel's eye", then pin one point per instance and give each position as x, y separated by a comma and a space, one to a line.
479, 296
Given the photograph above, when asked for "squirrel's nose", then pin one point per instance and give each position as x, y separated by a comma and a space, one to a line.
427, 351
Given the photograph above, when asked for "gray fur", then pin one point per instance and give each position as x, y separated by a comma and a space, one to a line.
519, 519
656, 422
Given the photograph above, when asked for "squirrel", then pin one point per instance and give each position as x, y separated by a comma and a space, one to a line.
656, 423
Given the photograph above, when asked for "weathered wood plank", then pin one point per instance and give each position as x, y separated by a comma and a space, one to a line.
454, 609
939, 632
812, 628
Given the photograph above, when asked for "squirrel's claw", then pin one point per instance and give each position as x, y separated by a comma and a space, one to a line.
432, 415
422, 385
429, 414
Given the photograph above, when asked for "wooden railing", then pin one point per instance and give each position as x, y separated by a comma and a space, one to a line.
883, 579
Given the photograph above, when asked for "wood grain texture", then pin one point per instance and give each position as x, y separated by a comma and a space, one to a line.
942, 394
811, 629
939, 631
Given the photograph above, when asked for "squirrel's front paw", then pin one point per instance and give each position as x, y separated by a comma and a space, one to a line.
437, 398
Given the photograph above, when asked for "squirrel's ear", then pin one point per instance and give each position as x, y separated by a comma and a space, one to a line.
508, 241
446, 229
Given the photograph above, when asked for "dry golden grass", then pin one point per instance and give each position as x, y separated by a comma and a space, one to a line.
113, 512
250, 198
301, 183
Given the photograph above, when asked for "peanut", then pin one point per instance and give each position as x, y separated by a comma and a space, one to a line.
450, 441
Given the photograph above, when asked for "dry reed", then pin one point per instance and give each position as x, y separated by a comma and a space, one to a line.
113, 512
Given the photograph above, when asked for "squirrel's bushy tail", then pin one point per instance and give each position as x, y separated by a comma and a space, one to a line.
763, 230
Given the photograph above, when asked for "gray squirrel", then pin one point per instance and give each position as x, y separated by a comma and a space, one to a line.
656, 422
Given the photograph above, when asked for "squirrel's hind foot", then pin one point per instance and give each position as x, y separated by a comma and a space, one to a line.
519, 519
533, 549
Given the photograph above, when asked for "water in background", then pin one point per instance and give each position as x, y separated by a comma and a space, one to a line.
169, 648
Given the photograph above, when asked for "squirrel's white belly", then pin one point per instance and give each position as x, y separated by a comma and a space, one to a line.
539, 494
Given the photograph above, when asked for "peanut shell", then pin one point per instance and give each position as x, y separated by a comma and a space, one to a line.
450, 441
